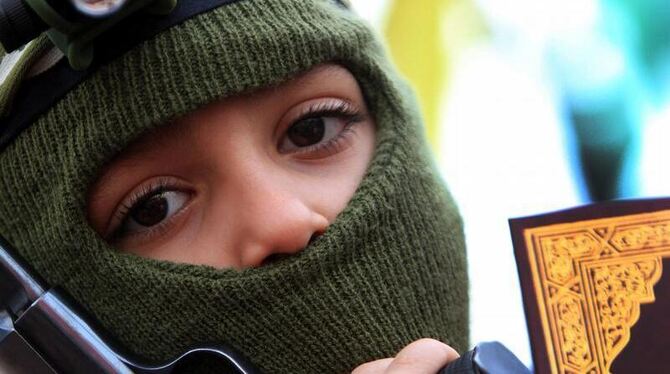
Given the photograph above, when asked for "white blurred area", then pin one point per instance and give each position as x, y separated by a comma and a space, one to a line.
372, 10
656, 179
502, 148
505, 153
503, 157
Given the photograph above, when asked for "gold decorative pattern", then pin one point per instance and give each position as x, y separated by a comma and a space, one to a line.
590, 278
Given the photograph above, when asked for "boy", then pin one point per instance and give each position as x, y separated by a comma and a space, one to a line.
203, 186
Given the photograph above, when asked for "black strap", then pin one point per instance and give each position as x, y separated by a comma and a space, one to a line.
40, 93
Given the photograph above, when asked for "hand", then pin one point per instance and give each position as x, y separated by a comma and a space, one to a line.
424, 356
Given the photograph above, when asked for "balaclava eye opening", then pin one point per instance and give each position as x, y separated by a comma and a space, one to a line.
391, 268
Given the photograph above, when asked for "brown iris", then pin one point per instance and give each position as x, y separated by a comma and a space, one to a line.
307, 132
151, 211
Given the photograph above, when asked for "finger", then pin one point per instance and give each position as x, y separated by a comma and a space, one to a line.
373, 367
424, 356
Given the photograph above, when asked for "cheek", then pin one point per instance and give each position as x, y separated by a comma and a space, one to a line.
170, 246
333, 186
334, 197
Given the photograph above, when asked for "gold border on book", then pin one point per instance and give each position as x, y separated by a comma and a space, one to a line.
590, 278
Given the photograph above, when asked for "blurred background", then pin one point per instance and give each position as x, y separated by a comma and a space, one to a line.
533, 106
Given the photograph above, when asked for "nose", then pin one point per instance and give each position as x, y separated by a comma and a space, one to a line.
278, 223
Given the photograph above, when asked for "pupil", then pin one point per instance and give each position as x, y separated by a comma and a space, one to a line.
151, 212
307, 132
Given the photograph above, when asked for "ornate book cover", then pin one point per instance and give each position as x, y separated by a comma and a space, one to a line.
596, 287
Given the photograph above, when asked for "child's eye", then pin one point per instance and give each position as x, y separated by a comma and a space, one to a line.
154, 209
312, 131
321, 130
147, 210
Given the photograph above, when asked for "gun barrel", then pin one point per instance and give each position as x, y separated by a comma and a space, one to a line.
45, 331
19, 285
69, 343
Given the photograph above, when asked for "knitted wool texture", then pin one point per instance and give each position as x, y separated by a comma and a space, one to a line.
390, 269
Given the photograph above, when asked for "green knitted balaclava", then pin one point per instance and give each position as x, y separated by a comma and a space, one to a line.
391, 268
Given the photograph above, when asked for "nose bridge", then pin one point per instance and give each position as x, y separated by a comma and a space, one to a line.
276, 217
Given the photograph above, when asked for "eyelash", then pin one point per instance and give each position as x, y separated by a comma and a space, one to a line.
335, 108
160, 185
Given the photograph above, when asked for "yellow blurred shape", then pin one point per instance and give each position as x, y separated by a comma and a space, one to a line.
424, 37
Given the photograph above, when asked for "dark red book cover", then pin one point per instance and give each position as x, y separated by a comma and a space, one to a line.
596, 287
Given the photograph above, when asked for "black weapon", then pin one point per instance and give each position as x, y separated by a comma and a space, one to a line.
44, 331
486, 358
72, 25
21, 20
